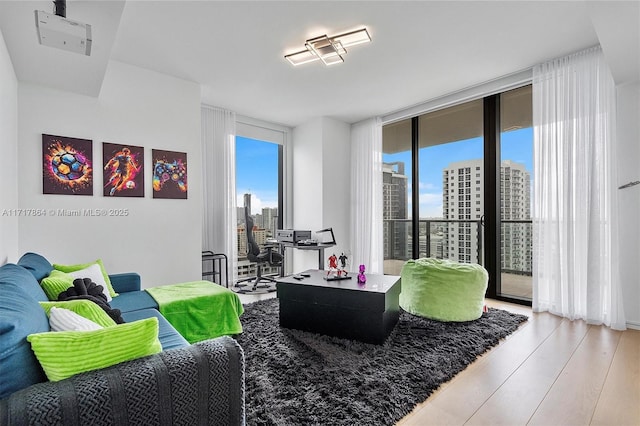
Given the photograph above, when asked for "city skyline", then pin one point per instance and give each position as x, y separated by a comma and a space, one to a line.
516, 145
458, 235
257, 167
256, 173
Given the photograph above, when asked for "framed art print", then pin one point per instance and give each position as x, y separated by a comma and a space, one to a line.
123, 170
67, 165
169, 174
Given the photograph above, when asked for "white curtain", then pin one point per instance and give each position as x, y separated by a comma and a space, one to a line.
575, 273
219, 233
366, 195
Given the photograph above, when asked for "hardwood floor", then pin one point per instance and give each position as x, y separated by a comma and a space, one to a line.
550, 372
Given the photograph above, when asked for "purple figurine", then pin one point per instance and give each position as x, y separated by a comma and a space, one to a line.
362, 278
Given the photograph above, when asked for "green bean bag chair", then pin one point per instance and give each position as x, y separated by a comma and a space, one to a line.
443, 290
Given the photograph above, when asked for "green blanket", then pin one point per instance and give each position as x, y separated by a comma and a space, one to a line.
199, 310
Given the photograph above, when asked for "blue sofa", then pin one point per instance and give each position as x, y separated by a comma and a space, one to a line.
189, 384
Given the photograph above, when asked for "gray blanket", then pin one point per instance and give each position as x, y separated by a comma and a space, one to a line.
202, 384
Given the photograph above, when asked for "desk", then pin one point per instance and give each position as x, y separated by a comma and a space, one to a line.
319, 248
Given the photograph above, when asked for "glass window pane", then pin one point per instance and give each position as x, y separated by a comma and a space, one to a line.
516, 174
396, 187
257, 187
451, 146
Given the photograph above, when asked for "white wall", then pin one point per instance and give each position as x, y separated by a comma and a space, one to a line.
321, 185
9, 148
337, 183
158, 238
307, 189
628, 138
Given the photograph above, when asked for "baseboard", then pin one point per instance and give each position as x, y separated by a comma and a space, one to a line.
633, 325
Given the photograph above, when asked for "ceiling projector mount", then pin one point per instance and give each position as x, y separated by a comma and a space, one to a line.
55, 30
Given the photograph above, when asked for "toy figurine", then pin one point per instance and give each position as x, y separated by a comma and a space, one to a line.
333, 264
343, 261
343, 265
362, 278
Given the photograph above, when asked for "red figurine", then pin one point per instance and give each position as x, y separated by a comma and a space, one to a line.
333, 264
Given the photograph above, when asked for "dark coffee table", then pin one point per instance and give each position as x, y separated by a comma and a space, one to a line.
342, 308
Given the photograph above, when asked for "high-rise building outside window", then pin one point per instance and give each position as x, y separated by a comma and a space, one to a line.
449, 147
257, 177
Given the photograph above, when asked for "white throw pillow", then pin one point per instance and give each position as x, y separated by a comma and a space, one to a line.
95, 274
61, 319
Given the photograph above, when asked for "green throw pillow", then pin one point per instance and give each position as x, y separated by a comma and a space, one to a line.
73, 268
56, 283
82, 307
63, 354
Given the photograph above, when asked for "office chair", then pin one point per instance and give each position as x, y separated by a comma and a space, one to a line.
260, 257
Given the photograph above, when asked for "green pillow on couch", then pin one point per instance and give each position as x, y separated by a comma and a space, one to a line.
59, 281
85, 308
63, 354
74, 268
56, 283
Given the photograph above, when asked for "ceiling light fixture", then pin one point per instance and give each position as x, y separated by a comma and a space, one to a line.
328, 49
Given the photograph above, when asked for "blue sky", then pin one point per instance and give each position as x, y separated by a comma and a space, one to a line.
517, 146
257, 173
257, 167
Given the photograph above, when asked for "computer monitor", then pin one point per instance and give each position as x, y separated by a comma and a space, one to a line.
326, 241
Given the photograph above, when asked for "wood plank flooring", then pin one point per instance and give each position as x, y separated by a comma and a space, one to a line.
550, 372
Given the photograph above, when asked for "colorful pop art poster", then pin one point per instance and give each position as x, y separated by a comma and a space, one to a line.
123, 170
67, 165
169, 174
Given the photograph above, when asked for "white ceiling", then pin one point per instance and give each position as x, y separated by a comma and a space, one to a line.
420, 50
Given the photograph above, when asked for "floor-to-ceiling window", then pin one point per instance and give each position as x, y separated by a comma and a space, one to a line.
516, 174
396, 199
445, 171
259, 194
451, 190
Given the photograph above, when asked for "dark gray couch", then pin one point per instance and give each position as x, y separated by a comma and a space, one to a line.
184, 384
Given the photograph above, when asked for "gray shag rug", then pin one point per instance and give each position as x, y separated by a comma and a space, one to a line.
299, 378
